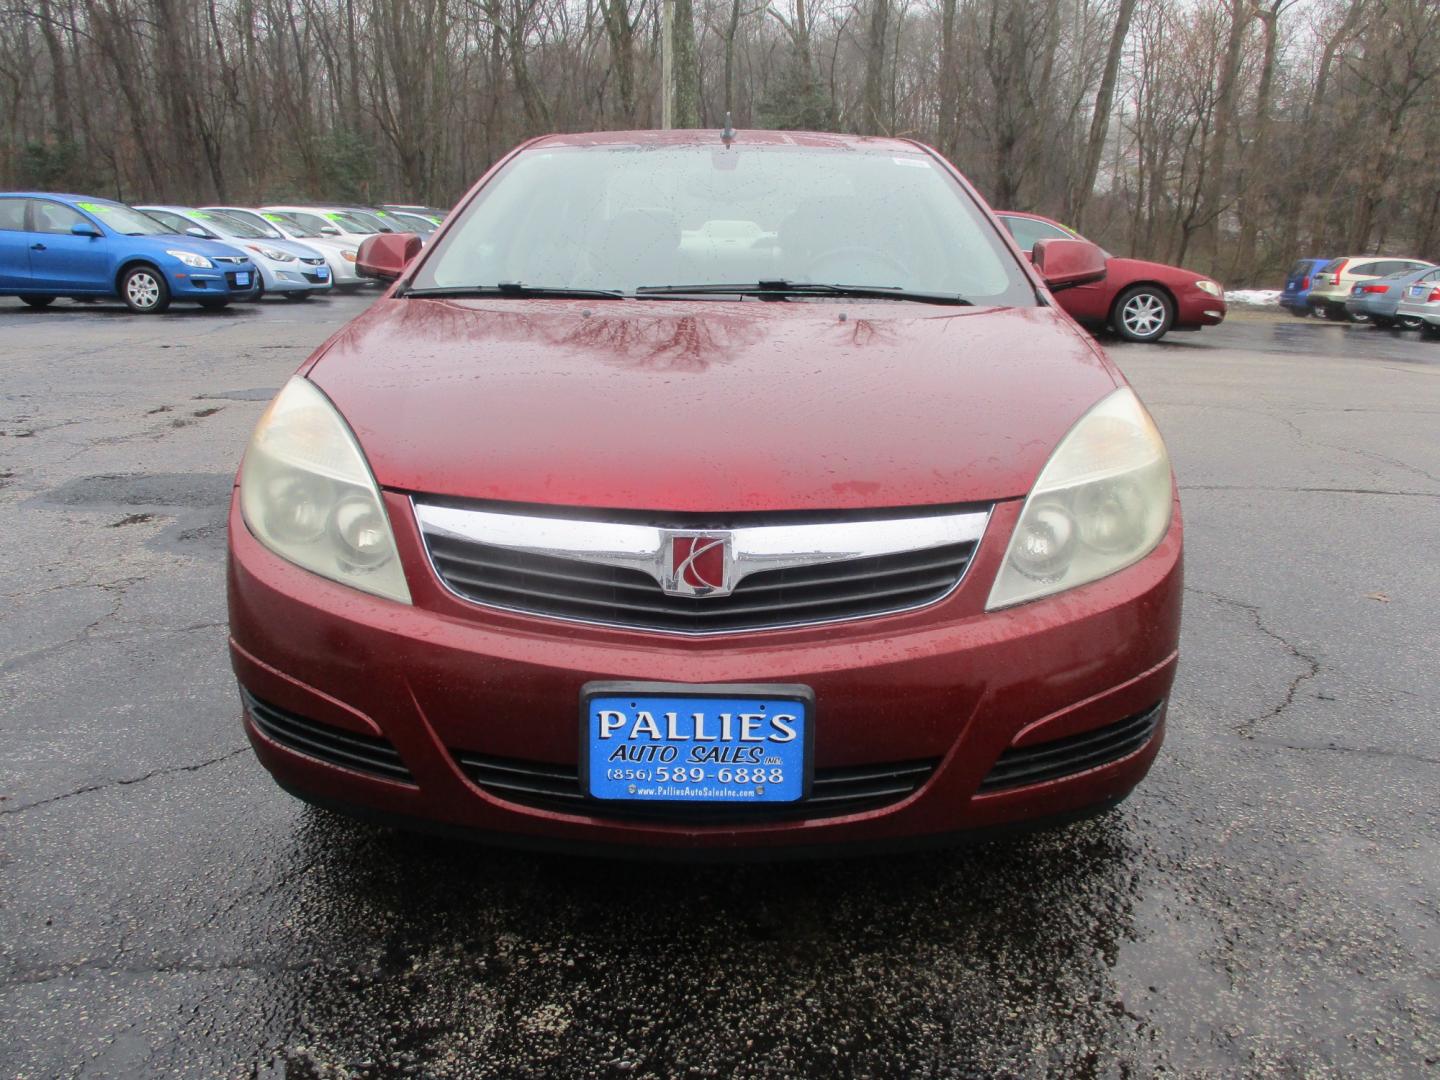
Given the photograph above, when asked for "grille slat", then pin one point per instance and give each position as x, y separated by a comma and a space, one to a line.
557, 787
620, 596
362, 753
1019, 766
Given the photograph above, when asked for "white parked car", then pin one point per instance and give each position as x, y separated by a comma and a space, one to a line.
338, 251
287, 267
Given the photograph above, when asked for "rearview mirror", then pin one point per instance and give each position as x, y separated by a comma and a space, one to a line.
1067, 263
84, 228
384, 256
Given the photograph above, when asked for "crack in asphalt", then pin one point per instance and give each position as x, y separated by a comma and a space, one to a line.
127, 781
1312, 490
1336, 748
1246, 728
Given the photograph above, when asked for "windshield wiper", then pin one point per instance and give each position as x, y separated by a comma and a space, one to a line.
515, 288
781, 288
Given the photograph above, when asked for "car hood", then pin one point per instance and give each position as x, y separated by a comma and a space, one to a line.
178, 242
710, 407
1136, 269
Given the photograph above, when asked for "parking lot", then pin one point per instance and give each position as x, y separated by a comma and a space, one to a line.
1265, 903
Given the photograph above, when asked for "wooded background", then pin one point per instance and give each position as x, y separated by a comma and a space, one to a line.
1230, 135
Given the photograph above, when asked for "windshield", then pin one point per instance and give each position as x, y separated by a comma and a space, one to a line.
124, 220
372, 222
348, 222
234, 226
624, 217
411, 223
298, 224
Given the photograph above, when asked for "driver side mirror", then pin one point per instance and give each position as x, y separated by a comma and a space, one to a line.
1067, 263
84, 228
329, 230
385, 256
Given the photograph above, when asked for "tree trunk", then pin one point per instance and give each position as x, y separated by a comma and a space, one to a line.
687, 67
873, 121
1213, 192
1100, 118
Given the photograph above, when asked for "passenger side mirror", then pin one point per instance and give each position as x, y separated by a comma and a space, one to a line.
329, 230
384, 256
84, 228
196, 231
1067, 263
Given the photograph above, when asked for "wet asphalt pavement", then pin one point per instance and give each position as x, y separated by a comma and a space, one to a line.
1267, 903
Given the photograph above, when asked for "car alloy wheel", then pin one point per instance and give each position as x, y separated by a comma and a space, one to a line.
1143, 315
145, 291
1410, 322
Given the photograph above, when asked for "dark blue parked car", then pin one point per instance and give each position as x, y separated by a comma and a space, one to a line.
1295, 295
72, 245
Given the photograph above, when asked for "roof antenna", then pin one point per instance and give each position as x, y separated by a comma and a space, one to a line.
728, 135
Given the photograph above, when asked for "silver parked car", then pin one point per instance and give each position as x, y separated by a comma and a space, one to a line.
340, 254
1378, 299
1421, 302
287, 267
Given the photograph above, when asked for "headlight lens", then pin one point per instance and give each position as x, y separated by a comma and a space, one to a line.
189, 258
1102, 502
274, 254
348, 256
1212, 287
307, 494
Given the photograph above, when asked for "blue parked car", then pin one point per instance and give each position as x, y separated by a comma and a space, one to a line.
1295, 295
73, 245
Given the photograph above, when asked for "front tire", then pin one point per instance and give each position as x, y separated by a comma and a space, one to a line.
1143, 314
145, 290
38, 301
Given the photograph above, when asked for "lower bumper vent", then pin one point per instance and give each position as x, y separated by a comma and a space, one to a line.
833, 792
1052, 760
362, 753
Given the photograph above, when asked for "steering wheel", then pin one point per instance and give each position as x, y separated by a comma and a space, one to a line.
868, 256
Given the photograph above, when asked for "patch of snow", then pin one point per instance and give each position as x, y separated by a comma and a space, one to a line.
1252, 297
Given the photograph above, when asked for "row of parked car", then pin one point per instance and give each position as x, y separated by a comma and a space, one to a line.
82, 247
1386, 292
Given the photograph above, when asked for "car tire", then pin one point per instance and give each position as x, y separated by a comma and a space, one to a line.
1429, 331
1410, 322
145, 290
215, 303
1143, 314
259, 290
1299, 312
38, 301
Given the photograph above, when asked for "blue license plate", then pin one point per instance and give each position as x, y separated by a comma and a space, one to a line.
242, 278
690, 743
322, 271
1417, 290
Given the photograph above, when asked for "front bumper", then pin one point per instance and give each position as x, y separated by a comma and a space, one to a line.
949, 684
1194, 308
189, 283
293, 277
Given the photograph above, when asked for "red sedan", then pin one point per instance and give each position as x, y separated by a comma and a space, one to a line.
1140, 301
692, 494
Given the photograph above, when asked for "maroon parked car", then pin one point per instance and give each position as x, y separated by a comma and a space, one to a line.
699, 495
1139, 300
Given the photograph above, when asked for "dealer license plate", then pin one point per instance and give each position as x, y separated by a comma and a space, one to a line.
242, 278
720, 743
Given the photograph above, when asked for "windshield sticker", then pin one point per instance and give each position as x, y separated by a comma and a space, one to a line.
272, 217
90, 206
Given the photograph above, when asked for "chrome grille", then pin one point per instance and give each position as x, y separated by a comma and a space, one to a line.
611, 573
235, 260
1052, 760
833, 792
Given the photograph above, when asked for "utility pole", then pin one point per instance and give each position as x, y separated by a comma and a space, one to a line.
667, 74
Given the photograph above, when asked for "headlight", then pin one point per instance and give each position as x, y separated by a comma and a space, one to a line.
348, 256
273, 254
189, 258
307, 494
1211, 287
1102, 502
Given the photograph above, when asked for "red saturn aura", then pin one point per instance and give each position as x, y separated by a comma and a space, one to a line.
696, 494
1140, 301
